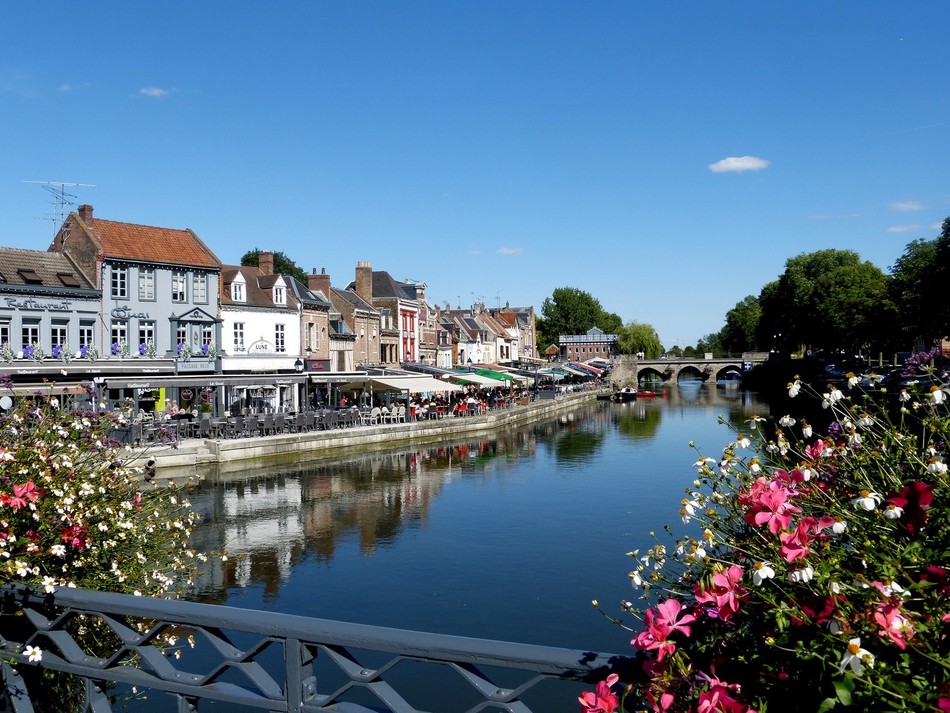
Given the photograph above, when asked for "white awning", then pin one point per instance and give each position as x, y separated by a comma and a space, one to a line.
414, 383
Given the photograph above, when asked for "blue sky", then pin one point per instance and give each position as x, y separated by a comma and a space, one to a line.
666, 157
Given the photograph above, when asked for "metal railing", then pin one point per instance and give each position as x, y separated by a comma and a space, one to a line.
254, 660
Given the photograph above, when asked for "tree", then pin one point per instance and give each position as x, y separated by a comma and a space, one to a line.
610, 323
710, 343
637, 337
917, 289
827, 299
283, 265
568, 311
742, 322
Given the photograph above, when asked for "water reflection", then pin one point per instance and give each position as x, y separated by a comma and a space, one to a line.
406, 536
639, 420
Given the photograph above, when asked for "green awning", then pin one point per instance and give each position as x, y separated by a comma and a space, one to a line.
492, 374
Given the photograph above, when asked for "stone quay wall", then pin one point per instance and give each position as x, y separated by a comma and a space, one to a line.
224, 459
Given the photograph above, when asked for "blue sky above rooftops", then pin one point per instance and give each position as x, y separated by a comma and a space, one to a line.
668, 158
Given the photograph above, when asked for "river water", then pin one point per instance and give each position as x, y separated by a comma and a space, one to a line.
508, 537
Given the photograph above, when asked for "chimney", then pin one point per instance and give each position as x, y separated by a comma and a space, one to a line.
364, 281
85, 213
265, 262
319, 283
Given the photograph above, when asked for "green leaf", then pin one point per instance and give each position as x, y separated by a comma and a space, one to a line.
844, 687
827, 705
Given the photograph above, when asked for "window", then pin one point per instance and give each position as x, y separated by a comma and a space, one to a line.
207, 335
119, 335
310, 331
181, 336
31, 333
279, 295
120, 283
85, 334
57, 334
239, 336
279, 343
5, 333
146, 284
237, 291
179, 286
199, 288
146, 334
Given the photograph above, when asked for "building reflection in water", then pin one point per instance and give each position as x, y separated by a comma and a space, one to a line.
268, 523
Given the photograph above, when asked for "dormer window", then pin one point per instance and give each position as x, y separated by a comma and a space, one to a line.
238, 288
280, 295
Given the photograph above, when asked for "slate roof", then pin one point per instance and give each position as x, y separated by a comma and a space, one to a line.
40, 269
146, 243
304, 295
257, 291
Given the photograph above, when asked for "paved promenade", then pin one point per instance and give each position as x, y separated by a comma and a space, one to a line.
222, 459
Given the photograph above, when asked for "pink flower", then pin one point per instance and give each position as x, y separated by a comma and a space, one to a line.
772, 508
795, 544
815, 450
725, 594
602, 700
655, 637
667, 617
22, 495
718, 699
894, 625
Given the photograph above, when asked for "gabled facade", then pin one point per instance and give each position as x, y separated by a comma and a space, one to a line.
260, 320
315, 308
509, 322
159, 288
48, 308
398, 299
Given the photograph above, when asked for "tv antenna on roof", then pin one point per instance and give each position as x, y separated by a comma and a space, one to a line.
60, 199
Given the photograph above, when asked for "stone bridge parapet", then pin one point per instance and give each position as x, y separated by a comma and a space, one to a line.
630, 370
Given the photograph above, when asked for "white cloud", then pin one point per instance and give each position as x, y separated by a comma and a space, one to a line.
907, 205
154, 92
937, 226
737, 164
510, 251
474, 252
903, 229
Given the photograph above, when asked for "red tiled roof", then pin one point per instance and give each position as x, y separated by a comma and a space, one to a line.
151, 244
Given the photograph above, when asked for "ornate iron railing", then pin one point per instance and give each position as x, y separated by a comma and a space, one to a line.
253, 660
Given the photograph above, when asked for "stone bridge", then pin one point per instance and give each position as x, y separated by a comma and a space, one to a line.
629, 369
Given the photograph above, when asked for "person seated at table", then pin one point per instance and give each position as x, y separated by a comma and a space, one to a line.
173, 409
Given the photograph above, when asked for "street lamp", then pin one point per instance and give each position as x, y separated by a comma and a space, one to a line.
98, 381
298, 366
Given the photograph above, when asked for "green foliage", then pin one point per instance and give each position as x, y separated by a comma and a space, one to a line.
283, 265
918, 289
742, 323
637, 337
572, 311
827, 299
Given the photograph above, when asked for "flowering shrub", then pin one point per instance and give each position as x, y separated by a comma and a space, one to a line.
76, 511
819, 576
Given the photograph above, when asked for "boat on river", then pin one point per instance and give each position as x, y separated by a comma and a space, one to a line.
629, 393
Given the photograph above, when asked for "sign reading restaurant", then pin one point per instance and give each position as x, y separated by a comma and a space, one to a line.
33, 305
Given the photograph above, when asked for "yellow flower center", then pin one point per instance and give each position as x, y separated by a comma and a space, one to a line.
853, 649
